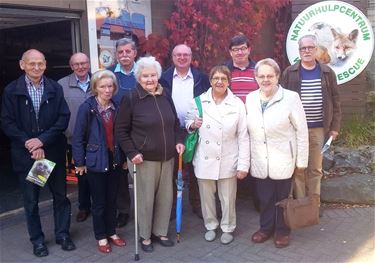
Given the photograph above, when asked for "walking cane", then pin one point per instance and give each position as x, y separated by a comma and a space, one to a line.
136, 257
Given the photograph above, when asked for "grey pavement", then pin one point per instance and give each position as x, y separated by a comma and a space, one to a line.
344, 235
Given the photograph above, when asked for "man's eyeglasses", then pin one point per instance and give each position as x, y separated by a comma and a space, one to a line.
217, 79
308, 48
263, 77
179, 55
238, 49
82, 64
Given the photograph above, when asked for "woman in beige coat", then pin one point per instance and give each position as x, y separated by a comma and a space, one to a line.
279, 147
222, 153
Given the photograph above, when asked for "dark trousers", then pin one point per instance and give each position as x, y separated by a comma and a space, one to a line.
61, 204
269, 193
84, 196
84, 200
123, 196
104, 188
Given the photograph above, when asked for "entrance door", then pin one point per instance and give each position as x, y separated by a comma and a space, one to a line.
57, 37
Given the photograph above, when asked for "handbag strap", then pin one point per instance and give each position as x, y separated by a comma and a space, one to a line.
199, 105
291, 187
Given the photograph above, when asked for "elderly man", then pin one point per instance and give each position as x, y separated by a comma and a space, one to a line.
242, 67
35, 116
243, 81
126, 52
76, 87
185, 82
317, 86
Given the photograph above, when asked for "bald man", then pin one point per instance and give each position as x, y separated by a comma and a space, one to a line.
184, 82
34, 116
76, 87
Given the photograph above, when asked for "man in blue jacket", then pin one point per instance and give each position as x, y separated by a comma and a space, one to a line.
185, 82
34, 116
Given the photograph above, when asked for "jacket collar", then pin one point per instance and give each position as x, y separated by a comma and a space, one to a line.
297, 66
21, 88
230, 65
142, 93
276, 98
230, 99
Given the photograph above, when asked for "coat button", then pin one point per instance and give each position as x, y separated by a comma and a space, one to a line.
206, 157
208, 126
207, 142
218, 158
218, 143
105, 169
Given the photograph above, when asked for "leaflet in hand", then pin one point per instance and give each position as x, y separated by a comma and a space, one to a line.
326, 145
40, 171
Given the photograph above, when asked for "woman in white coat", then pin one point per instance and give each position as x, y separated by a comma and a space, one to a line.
222, 153
279, 147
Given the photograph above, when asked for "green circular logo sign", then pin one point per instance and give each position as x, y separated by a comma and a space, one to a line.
344, 34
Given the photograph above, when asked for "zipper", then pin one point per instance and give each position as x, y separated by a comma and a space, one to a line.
162, 122
265, 142
291, 149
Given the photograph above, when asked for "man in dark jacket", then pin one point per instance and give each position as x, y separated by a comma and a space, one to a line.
183, 83
316, 84
34, 117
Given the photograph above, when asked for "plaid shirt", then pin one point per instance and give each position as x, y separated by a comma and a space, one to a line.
36, 93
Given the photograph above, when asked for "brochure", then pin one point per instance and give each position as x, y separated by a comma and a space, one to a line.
40, 171
326, 145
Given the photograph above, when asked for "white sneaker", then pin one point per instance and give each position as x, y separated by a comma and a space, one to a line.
226, 238
210, 235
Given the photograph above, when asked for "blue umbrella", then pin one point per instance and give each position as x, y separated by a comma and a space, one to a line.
180, 187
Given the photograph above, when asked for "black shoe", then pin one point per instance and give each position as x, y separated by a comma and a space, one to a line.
164, 243
82, 215
66, 244
122, 219
40, 250
146, 248
198, 212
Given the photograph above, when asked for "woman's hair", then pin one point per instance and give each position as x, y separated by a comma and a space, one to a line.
146, 62
102, 74
220, 69
269, 62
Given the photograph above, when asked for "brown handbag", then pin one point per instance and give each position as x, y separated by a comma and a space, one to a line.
301, 212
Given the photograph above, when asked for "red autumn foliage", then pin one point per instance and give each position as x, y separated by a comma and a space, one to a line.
208, 25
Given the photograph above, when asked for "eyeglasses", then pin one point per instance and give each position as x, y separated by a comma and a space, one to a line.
308, 48
77, 65
217, 79
36, 64
179, 55
238, 49
263, 77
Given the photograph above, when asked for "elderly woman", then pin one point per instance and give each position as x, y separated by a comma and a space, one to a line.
95, 153
149, 133
222, 153
279, 147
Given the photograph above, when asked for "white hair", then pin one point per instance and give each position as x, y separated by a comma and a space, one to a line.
146, 62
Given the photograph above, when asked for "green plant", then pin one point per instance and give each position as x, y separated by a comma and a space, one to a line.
356, 132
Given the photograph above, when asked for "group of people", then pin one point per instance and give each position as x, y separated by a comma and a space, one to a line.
255, 121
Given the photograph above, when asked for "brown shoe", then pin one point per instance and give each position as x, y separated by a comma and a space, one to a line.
82, 215
281, 241
259, 237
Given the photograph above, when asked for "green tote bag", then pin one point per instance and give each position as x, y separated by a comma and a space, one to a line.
191, 139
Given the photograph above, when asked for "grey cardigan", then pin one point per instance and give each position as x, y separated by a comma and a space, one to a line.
74, 97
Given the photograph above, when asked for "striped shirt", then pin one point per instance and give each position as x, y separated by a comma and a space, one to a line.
243, 82
36, 93
311, 96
